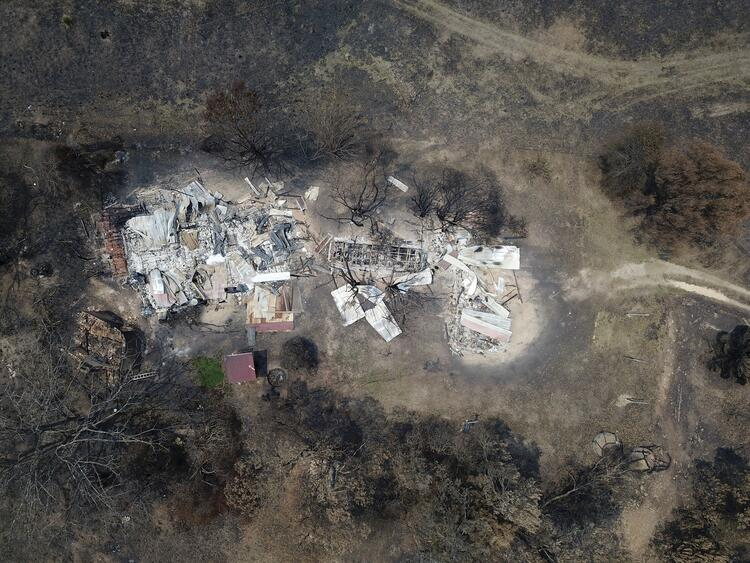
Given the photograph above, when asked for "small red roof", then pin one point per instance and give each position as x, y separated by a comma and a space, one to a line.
239, 368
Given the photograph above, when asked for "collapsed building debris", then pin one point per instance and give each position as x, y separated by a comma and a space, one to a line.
604, 441
477, 322
346, 302
187, 246
503, 257
104, 343
651, 459
313, 193
109, 225
407, 281
380, 259
488, 324
366, 301
269, 311
192, 246
357, 300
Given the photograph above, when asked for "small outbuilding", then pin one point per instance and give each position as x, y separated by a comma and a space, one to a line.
239, 368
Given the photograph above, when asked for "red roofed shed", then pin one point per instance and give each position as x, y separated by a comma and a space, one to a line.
239, 368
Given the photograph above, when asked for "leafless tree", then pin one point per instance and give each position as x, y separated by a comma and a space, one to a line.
244, 130
476, 203
404, 303
628, 162
333, 127
587, 485
362, 191
456, 198
66, 434
424, 199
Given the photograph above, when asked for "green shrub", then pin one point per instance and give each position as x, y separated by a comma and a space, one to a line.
210, 373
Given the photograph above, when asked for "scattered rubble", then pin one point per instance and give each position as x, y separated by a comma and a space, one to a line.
604, 441
183, 247
398, 184
269, 311
379, 259
366, 301
104, 343
312, 193
650, 459
195, 247
479, 321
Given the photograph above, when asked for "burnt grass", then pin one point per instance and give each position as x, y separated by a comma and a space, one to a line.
626, 29
154, 64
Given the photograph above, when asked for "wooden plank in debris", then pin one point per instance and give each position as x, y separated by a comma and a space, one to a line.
632, 359
398, 184
323, 244
487, 329
256, 191
495, 307
489, 318
296, 202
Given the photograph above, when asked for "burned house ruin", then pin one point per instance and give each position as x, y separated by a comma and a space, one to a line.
194, 247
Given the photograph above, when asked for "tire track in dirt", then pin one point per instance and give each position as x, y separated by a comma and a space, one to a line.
658, 273
517, 46
641, 80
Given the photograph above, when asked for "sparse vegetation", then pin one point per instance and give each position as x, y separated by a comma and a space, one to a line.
333, 126
715, 525
465, 495
539, 168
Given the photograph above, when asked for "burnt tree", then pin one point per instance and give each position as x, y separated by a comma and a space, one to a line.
244, 130
71, 437
476, 203
731, 354
333, 127
628, 162
713, 525
699, 197
362, 192
685, 196
423, 201
404, 301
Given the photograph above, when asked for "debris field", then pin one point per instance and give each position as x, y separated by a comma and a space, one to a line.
187, 246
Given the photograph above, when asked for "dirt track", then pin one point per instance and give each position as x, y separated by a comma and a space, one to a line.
620, 81
658, 273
